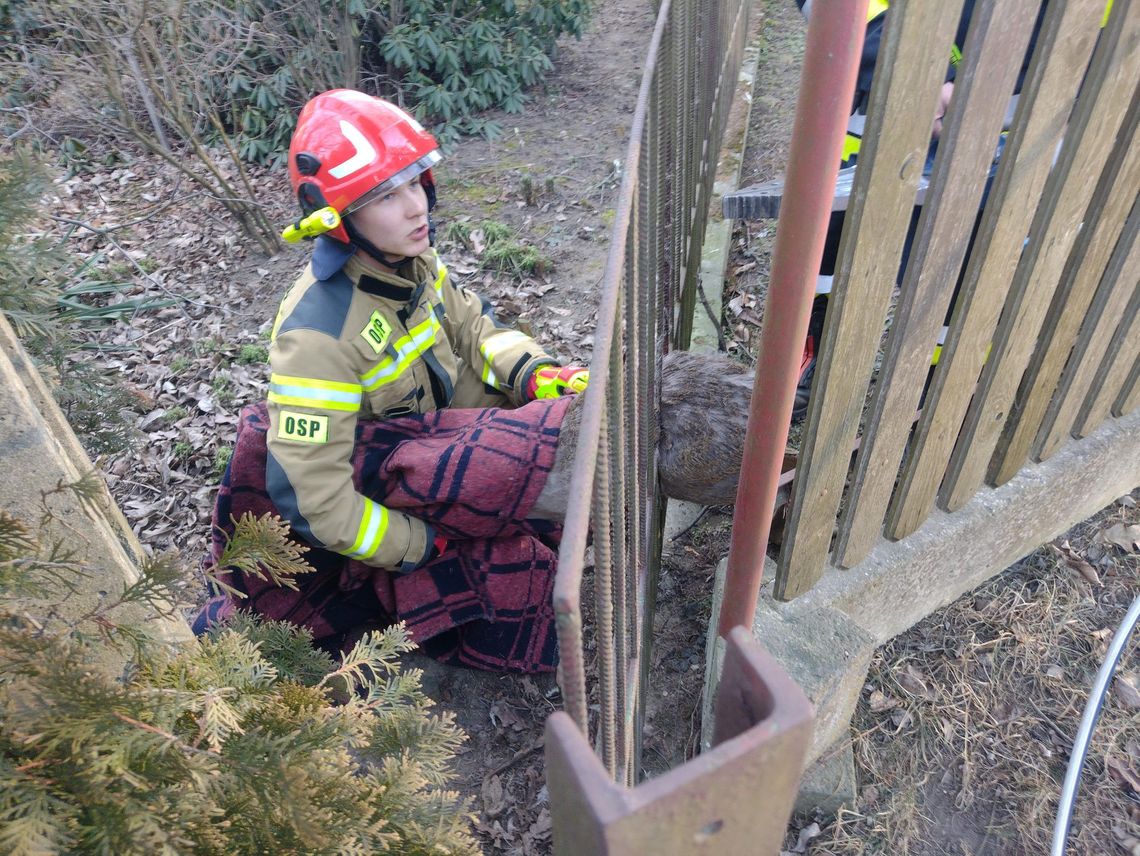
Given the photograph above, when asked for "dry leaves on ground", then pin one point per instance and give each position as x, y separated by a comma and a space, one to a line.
1077, 563
1126, 537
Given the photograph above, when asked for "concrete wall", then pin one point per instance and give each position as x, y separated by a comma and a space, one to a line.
38, 452
825, 638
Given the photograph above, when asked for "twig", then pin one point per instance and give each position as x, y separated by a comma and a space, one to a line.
704, 513
720, 343
518, 756
103, 233
718, 509
153, 730
150, 215
32, 765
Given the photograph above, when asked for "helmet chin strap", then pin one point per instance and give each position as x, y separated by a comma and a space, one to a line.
358, 240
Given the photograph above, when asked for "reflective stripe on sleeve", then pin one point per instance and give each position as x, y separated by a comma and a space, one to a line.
876, 8
419, 339
440, 277
311, 392
494, 347
373, 527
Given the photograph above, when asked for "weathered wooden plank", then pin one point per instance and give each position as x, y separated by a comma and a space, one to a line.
994, 49
1073, 299
1101, 357
1105, 97
1084, 394
1119, 373
1064, 46
903, 100
1129, 398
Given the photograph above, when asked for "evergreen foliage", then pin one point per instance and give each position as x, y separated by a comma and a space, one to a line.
448, 61
248, 741
452, 61
30, 285
43, 287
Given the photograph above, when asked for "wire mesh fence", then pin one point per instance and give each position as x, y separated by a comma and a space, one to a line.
647, 299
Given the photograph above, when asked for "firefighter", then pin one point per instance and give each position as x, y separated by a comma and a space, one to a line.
375, 328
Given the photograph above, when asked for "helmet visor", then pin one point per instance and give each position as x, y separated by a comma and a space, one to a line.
392, 182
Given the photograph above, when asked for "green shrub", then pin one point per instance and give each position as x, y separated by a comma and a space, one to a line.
44, 288
34, 268
223, 389
456, 232
517, 258
495, 232
498, 246
222, 460
454, 61
248, 741
507, 253
250, 355
447, 61
175, 413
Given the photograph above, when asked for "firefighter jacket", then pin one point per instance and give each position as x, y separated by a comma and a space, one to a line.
356, 341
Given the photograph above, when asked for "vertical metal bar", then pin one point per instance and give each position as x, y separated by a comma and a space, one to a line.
634, 476
603, 596
615, 450
674, 170
834, 42
568, 580
655, 248
624, 613
904, 96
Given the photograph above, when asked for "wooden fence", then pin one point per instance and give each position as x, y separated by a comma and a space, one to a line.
1043, 342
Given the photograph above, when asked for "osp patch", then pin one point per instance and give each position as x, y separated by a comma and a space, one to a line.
302, 427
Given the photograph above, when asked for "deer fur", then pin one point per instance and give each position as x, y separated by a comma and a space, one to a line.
702, 422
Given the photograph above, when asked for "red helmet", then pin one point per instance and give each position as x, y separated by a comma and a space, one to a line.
350, 148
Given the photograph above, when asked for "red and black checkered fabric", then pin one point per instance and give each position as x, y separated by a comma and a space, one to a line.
474, 475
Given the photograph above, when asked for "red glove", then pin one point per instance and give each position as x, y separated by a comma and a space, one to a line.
555, 381
436, 546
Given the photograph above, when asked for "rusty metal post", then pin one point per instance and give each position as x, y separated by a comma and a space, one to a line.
834, 42
734, 798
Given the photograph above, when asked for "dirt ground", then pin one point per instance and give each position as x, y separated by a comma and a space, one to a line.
962, 734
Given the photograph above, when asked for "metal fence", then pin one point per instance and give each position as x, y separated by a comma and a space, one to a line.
1043, 341
647, 300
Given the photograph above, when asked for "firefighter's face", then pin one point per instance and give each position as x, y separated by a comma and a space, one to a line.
396, 223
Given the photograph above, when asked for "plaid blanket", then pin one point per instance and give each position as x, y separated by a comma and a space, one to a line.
474, 475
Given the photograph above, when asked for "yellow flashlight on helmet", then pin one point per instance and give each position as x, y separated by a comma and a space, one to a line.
320, 221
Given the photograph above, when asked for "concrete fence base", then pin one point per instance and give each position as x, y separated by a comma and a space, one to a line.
826, 637
38, 453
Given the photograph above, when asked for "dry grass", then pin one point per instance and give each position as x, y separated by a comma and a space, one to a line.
966, 721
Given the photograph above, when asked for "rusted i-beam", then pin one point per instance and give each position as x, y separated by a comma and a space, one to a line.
732, 799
